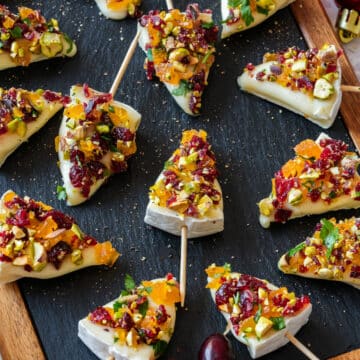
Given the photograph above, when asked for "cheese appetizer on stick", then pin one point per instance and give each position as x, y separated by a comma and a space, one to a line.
23, 113
118, 9
37, 241
321, 177
305, 82
96, 138
187, 192
260, 313
331, 253
28, 37
240, 15
136, 326
180, 52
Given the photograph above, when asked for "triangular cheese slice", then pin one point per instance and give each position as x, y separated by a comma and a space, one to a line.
37, 241
96, 138
258, 312
242, 15
180, 52
30, 38
187, 192
321, 177
22, 113
118, 9
331, 253
136, 326
305, 82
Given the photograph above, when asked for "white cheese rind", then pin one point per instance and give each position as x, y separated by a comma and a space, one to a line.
6, 62
347, 280
170, 221
10, 272
101, 341
9, 142
273, 340
111, 14
74, 196
228, 30
343, 202
320, 112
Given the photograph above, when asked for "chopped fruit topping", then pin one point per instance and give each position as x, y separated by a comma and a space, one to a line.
313, 71
332, 252
181, 50
33, 235
99, 141
20, 107
139, 315
254, 307
321, 171
187, 183
131, 6
29, 33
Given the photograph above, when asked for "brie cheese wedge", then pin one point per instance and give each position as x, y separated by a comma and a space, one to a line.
26, 112
103, 142
260, 325
113, 331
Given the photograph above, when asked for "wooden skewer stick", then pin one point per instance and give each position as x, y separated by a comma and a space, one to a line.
350, 88
301, 347
124, 64
183, 265
169, 4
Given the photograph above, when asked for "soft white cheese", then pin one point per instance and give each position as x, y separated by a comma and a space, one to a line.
273, 339
6, 62
9, 142
230, 29
100, 339
171, 221
320, 112
111, 14
74, 196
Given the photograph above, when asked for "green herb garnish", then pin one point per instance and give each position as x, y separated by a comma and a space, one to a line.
61, 193
70, 42
16, 32
143, 308
182, 89
330, 235
111, 109
129, 283
159, 347
296, 249
262, 10
278, 323
207, 25
258, 314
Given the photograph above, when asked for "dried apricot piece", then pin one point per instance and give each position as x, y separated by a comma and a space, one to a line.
308, 149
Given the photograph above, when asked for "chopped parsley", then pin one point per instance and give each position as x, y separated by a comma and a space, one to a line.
278, 323
182, 90
258, 314
159, 347
61, 193
129, 283
16, 32
296, 249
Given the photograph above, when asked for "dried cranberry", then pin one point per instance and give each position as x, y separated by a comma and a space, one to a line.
121, 133
161, 314
57, 253
62, 220
355, 272
101, 316
96, 169
283, 186
51, 96
118, 166
250, 67
86, 90
5, 237
20, 219
303, 269
282, 215
77, 156
314, 194
4, 258
78, 175
89, 240
126, 322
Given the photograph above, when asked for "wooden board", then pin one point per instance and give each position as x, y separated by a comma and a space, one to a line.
251, 139
318, 30
352, 355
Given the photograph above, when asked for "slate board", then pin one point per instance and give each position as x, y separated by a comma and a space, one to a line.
251, 139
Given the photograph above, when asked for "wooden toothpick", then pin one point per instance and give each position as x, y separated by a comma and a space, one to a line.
301, 347
350, 88
169, 4
124, 64
183, 264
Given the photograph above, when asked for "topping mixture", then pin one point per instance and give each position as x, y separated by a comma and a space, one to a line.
253, 305
139, 316
321, 171
181, 50
242, 11
333, 251
28, 33
131, 6
33, 234
19, 107
99, 139
312, 72
187, 183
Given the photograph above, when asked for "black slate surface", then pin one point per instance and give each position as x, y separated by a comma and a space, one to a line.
251, 138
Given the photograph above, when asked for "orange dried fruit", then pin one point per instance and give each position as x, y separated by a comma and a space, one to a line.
308, 149
293, 168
